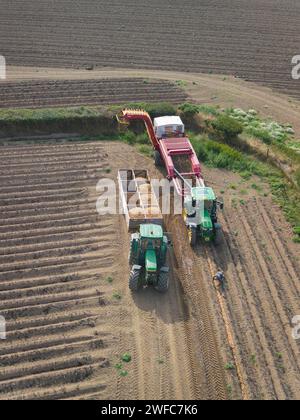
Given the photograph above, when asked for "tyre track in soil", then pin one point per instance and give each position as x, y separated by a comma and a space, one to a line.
191, 278
262, 320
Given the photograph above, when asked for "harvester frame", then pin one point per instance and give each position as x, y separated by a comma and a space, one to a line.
166, 149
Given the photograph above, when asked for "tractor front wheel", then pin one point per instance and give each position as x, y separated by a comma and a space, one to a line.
134, 281
193, 236
163, 282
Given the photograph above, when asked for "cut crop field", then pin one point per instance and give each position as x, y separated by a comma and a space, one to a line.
39, 94
252, 40
70, 315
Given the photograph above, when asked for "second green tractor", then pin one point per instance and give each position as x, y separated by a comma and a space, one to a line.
148, 258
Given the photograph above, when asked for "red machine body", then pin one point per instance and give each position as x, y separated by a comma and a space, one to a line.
169, 149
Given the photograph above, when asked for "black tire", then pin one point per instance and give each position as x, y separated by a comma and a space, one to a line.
163, 282
218, 237
193, 236
134, 281
157, 159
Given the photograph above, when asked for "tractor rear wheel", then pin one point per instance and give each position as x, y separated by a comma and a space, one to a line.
157, 159
193, 236
218, 237
163, 282
134, 281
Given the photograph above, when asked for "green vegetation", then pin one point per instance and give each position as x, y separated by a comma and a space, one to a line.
229, 390
219, 155
126, 358
229, 366
146, 150
181, 83
109, 280
253, 359
266, 130
48, 114
124, 373
189, 109
117, 296
227, 127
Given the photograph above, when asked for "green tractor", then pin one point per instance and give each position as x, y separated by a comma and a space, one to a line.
148, 257
200, 213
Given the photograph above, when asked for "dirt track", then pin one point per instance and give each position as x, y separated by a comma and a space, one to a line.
202, 88
254, 40
66, 326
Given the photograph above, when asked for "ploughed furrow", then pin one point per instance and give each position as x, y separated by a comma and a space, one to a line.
237, 40
65, 210
59, 149
80, 369
71, 265
64, 243
262, 317
60, 175
24, 351
276, 316
67, 391
53, 170
80, 227
66, 327
41, 225
56, 260
25, 197
46, 237
24, 285
23, 219
26, 188
48, 157
56, 253
244, 319
38, 164
85, 92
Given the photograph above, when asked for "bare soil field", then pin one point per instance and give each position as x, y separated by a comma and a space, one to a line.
64, 292
48, 93
252, 40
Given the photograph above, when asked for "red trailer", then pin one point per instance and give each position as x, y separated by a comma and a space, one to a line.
172, 148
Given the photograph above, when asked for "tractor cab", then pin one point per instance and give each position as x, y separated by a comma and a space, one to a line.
200, 210
168, 127
151, 243
148, 255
